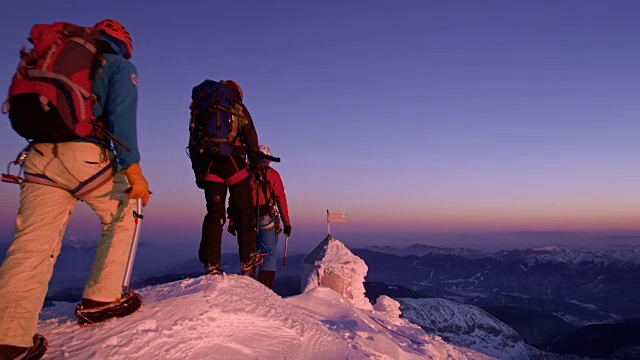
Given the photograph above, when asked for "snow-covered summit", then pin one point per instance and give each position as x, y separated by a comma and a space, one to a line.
235, 317
335, 266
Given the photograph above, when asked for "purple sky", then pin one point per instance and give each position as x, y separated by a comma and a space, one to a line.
410, 116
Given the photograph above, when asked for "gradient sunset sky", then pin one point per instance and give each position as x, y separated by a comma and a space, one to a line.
409, 116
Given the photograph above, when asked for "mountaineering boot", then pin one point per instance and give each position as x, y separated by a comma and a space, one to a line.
213, 269
35, 352
266, 277
249, 268
92, 312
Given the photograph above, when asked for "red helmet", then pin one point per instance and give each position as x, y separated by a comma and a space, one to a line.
117, 31
236, 86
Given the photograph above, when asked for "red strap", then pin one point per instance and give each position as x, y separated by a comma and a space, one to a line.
232, 180
213, 178
237, 177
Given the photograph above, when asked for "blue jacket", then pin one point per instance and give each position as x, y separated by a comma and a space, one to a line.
116, 86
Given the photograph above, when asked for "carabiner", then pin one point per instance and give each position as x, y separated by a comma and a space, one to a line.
11, 178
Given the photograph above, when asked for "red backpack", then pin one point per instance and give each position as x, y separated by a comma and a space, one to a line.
50, 97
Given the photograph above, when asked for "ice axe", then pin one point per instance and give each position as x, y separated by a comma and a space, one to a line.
286, 245
260, 154
137, 216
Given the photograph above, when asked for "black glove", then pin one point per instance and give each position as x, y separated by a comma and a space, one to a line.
287, 230
231, 229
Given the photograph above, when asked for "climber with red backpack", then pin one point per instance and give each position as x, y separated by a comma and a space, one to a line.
74, 98
270, 202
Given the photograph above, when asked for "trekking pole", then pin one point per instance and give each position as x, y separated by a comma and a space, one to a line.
257, 208
137, 215
286, 245
255, 273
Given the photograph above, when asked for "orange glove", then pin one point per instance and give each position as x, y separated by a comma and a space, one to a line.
139, 186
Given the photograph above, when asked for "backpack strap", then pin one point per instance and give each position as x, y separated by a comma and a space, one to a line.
267, 189
237, 115
98, 63
97, 124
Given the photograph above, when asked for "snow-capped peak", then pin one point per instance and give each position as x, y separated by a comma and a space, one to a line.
338, 268
468, 326
234, 317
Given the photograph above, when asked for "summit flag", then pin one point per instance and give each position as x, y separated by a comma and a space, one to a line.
335, 217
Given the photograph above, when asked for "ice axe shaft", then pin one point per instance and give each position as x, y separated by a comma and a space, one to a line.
286, 245
137, 215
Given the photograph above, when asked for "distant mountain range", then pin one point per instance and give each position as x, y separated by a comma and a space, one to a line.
557, 299
579, 285
421, 250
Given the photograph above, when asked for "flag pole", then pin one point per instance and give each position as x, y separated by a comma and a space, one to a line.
328, 224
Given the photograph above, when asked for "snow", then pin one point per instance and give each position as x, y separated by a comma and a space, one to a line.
235, 317
338, 260
524, 268
223, 317
467, 326
584, 305
547, 249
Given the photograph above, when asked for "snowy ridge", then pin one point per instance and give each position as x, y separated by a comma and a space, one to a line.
235, 317
230, 317
467, 326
